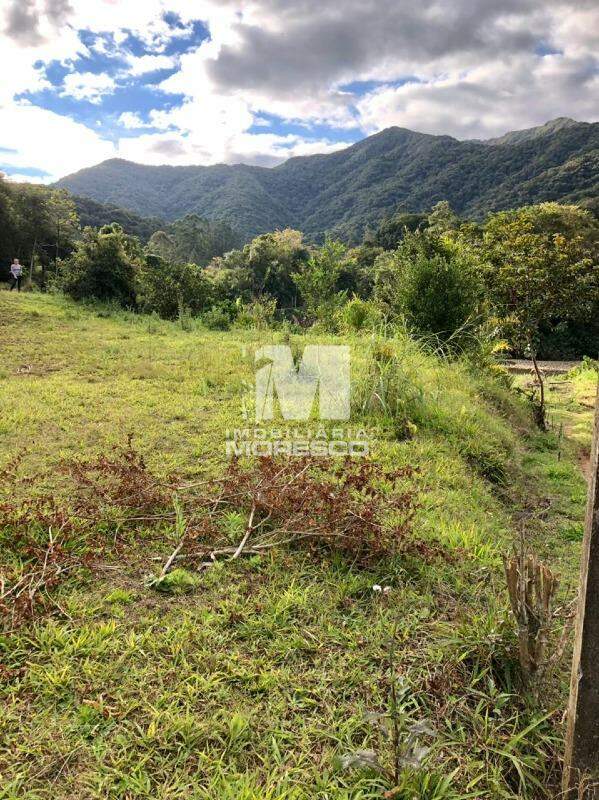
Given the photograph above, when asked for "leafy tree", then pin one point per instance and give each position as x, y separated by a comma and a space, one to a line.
31, 223
543, 269
162, 245
357, 274
103, 266
543, 273
8, 233
63, 224
263, 268
432, 284
317, 280
193, 240
169, 289
272, 259
38, 225
230, 282
391, 231
442, 218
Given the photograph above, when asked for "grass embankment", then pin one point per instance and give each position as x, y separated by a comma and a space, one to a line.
253, 684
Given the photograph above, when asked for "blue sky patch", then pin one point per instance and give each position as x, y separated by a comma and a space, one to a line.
271, 123
187, 40
103, 116
32, 172
360, 88
546, 49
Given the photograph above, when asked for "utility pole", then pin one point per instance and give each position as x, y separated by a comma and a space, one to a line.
581, 764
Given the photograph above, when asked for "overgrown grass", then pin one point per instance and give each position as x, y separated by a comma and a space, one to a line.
252, 678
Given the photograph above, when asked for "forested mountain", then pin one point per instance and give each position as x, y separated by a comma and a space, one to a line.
345, 192
516, 137
96, 214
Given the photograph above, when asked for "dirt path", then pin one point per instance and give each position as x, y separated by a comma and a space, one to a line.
522, 366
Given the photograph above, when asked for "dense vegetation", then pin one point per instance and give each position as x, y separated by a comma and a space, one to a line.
94, 215
40, 225
345, 192
37, 225
527, 276
193, 239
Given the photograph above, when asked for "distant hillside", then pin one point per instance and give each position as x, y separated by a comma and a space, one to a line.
344, 192
515, 137
96, 214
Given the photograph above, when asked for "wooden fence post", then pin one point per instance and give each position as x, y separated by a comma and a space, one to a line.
581, 764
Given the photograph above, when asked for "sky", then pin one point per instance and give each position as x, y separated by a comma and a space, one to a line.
259, 81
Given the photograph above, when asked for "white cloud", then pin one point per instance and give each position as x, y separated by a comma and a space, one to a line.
480, 67
52, 142
472, 70
266, 149
87, 86
128, 119
150, 63
488, 100
193, 79
18, 63
17, 177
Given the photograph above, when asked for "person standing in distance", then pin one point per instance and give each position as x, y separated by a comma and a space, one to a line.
16, 273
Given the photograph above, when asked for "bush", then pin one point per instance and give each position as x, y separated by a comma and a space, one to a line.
358, 315
172, 289
317, 281
217, 318
433, 285
259, 314
102, 267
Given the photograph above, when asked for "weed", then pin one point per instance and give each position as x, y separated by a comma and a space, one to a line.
119, 596
532, 588
216, 319
178, 581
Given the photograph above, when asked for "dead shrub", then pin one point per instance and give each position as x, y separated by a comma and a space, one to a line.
42, 540
118, 481
356, 508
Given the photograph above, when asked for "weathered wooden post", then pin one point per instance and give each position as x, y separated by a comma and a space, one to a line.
581, 765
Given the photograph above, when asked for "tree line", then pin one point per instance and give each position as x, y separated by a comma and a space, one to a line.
528, 277
41, 226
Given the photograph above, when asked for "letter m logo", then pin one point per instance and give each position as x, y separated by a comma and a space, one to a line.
323, 369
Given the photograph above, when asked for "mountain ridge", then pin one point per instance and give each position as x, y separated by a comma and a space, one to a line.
345, 191
553, 125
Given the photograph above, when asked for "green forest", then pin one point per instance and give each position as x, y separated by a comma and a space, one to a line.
524, 281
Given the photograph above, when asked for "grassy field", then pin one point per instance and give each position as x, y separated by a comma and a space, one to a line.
259, 680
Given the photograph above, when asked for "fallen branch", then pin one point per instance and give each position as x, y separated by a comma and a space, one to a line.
171, 558
248, 530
